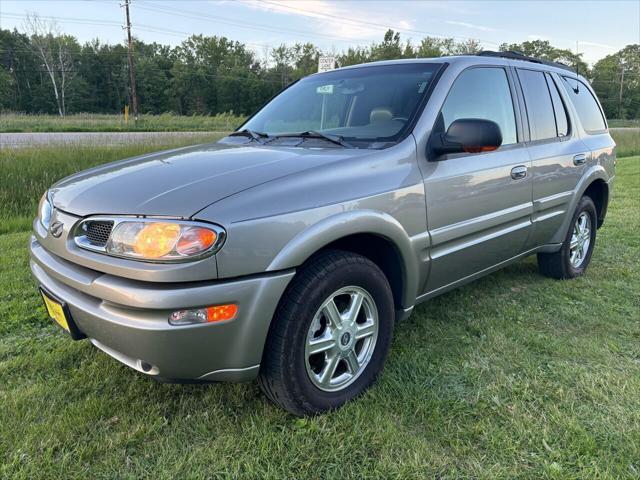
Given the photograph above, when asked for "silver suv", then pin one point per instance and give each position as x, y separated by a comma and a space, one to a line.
287, 251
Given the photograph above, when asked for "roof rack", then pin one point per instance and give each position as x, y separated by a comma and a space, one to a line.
513, 55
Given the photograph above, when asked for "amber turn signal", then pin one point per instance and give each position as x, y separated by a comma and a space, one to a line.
194, 240
220, 313
216, 313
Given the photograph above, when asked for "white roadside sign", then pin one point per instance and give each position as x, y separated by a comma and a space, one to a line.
326, 63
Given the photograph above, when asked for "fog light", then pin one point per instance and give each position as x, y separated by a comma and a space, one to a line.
217, 313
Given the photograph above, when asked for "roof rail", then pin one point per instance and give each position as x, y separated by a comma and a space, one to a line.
513, 55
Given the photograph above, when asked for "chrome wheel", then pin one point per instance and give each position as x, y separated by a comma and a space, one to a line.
580, 240
341, 338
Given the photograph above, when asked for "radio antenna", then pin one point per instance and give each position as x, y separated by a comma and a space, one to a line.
577, 89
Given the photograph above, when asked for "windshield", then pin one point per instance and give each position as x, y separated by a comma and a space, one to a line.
373, 104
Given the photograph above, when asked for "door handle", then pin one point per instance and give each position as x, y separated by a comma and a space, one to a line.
579, 159
518, 172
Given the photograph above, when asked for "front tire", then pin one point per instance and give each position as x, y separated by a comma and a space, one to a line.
574, 256
330, 335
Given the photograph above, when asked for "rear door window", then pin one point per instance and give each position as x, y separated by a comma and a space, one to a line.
588, 110
542, 121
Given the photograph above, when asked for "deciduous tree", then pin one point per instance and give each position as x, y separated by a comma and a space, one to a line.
54, 51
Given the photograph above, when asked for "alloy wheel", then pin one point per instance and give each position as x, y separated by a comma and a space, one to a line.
341, 338
580, 240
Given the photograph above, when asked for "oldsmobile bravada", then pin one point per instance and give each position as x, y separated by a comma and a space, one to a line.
287, 251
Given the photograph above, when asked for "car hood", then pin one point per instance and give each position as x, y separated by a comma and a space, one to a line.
179, 183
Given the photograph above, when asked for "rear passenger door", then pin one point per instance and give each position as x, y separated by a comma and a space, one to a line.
478, 204
558, 155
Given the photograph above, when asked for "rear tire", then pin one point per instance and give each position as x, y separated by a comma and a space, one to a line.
574, 256
330, 336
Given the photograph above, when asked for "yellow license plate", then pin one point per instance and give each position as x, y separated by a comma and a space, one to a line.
56, 311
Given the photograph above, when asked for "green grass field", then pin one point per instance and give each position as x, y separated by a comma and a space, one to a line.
93, 122
97, 122
627, 141
514, 375
628, 123
28, 172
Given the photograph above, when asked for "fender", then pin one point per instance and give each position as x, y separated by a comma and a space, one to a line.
596, 172
341, 225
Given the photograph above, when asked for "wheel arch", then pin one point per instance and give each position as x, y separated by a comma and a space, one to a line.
598, 191
375, 235
380, 251
596, 179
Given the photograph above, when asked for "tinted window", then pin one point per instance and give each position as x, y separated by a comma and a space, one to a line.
562, 121
482, 93
542, 122
586, 106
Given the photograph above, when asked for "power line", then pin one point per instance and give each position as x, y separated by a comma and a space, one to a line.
155, 7
109, 23
82, 21
240, 24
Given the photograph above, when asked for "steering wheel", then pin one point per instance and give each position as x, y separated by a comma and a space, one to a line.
401, 119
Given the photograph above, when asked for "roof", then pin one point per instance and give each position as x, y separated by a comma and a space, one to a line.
513, 55
515, 59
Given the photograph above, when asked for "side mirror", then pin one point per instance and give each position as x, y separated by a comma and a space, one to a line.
468, 135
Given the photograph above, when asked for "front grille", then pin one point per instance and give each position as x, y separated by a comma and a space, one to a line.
97, 232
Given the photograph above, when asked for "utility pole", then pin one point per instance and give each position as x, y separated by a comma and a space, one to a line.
621, 84
132, 68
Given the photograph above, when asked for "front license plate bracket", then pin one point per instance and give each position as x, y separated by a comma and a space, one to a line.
59, 313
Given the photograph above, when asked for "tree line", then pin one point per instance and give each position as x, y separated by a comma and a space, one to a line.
47, 71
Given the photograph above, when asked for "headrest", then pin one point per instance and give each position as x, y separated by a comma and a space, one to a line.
380, 114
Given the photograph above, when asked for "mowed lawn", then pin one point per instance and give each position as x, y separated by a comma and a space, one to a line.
97, 122
515, 375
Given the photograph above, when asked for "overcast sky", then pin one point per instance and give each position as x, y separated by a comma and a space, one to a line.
600, 27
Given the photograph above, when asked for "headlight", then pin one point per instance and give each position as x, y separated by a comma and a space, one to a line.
44, 210
151, 240
160, 240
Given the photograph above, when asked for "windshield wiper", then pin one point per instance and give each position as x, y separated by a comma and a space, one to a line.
337, 139
257, 136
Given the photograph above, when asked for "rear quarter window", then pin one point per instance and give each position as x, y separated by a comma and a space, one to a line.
585, 104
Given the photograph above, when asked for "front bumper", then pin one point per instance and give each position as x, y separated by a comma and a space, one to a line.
128, 319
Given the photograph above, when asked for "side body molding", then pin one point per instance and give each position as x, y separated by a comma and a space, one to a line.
596, 172
341, 225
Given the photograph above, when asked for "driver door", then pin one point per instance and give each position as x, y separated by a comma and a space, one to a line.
479, 205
